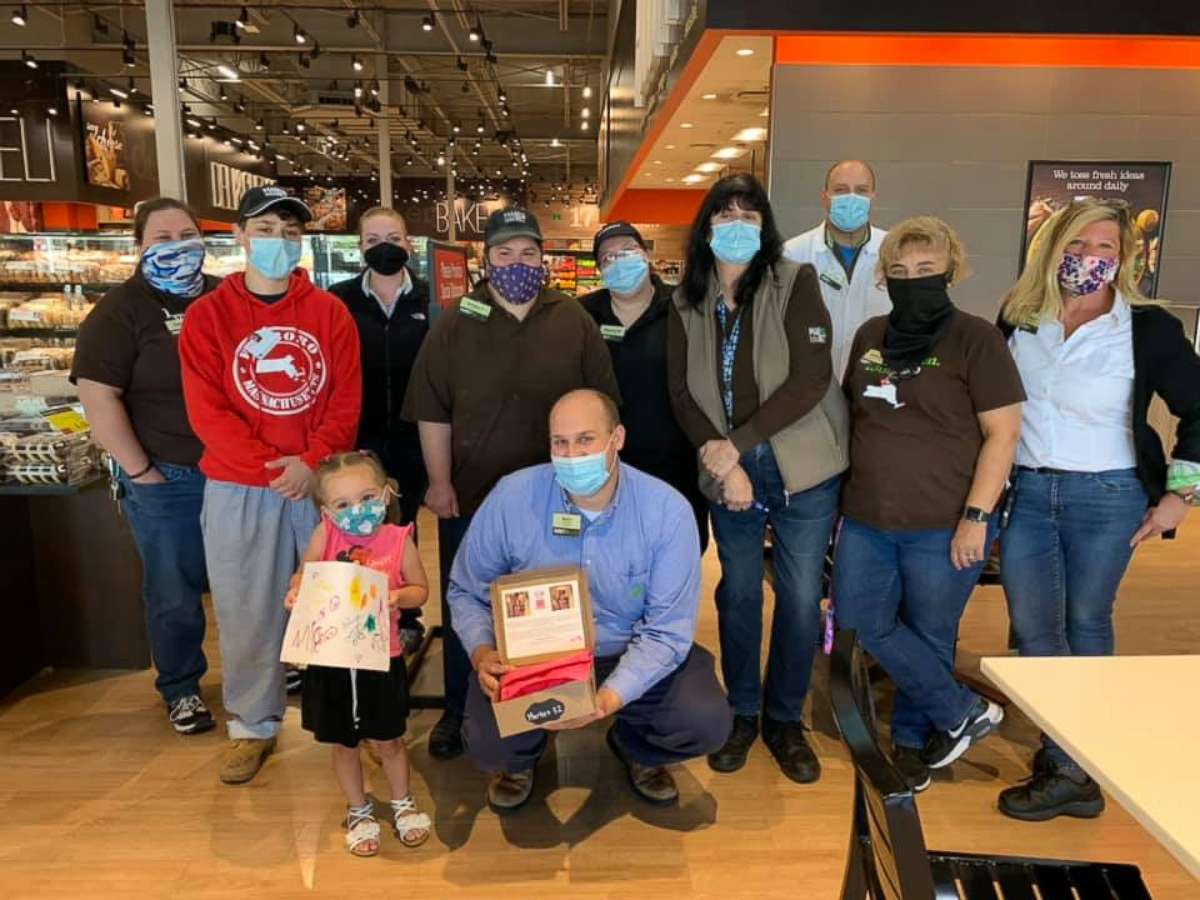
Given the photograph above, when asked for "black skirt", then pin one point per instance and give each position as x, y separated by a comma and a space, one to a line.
327, 706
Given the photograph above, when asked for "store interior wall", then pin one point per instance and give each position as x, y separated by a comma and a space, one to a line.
955, 143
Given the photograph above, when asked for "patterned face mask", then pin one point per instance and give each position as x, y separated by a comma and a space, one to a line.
517, 282
362, 519
174, 267
1080, 275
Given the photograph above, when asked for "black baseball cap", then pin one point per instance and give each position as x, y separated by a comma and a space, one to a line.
259, 200
506, 224
612, 230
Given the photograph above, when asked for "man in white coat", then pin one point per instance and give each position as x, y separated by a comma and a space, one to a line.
844, 249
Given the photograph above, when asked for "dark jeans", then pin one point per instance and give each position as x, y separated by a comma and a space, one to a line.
402, 461
800, 526
165, 520
681, 717
901, 593
456, 665
1062, 559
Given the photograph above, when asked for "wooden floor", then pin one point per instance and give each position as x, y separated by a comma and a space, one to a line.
101, 799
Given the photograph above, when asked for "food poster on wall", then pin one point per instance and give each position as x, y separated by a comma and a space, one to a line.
450, 277
328, 205
104, 149
21, 217
1140, 186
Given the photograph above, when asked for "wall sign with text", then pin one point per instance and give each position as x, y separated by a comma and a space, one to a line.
1142, 186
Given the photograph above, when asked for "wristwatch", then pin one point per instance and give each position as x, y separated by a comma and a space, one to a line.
975, 514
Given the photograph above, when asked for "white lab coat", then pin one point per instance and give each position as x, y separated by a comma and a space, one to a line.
849, 306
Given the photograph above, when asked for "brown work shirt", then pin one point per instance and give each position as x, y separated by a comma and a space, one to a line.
493, 379
915, 441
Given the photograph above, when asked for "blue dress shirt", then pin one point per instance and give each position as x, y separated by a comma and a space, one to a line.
641, 556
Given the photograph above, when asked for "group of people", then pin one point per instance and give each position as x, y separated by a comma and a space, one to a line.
826, 389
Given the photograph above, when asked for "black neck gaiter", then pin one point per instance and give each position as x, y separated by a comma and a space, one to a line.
921, 313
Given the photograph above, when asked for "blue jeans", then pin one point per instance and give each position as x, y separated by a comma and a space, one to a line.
901, 593
165, 520
1062, 559
800, 526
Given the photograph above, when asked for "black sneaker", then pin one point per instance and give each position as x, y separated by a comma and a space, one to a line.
947, 746
789, 746
445, 741
189, 715
293, 679
733, 755
910, 762
1051, 793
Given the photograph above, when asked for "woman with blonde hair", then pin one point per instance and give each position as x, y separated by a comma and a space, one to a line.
935, 413
1092, 479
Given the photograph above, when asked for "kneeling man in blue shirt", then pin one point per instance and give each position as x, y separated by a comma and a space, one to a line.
638, 544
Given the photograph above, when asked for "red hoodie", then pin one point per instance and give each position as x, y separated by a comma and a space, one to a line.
263, 380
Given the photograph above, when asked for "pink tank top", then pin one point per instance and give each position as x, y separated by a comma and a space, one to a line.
383, 551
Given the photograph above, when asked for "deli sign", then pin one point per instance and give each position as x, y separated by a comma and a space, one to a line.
227, 184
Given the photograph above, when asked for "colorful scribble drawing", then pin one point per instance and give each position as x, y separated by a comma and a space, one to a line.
340, 618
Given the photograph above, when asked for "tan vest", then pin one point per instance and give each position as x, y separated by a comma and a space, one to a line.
813, 448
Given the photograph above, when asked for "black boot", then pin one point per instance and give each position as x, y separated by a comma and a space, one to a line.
445, 740
788, 745
733, 755
1052, 792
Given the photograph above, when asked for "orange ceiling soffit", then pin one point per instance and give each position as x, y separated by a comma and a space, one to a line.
706, 46
998, 50
657, 206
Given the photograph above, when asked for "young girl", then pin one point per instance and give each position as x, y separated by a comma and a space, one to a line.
344, 706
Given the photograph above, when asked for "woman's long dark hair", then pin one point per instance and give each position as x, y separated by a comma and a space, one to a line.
746, 192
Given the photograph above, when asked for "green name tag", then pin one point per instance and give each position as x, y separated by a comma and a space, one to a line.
612, 332
175, 323
567, 524
475, 309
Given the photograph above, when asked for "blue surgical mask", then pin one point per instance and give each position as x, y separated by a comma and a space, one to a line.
735, 242
582, 476
849, 212
174, 267
625, 274
362, 519
275, 258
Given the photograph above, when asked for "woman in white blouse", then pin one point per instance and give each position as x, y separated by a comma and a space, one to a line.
1092, 479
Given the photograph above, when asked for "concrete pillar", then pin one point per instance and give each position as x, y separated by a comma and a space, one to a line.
164, 82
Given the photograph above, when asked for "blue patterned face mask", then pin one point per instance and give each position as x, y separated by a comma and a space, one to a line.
362, 519
174, 267
517, 283
735, 242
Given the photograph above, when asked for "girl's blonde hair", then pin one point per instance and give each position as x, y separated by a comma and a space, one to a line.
928, 230
339, 462
1037, 297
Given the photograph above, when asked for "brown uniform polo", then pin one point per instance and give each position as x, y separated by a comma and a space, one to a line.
493, 379
914, 443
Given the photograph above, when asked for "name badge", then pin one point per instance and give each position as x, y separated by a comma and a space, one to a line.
475, 309
614, 333
174, 322
831, 282
567, 524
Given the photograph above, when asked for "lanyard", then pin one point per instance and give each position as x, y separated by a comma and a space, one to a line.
729, 344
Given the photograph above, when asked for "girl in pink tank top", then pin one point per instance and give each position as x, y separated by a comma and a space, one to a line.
343, 707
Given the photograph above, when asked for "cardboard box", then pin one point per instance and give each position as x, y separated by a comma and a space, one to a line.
541, 616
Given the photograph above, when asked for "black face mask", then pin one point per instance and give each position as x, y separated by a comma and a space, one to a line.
386, 258
921, 313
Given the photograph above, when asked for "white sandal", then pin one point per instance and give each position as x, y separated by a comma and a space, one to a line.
411, 827
361, 827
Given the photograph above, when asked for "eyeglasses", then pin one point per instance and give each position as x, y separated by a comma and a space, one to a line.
609, 258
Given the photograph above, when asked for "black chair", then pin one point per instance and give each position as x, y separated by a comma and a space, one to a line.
888, 859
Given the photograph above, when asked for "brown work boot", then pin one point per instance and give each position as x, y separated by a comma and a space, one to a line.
508, 791
653, 784
244, 757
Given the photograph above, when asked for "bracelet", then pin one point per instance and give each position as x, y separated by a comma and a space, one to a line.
149, 466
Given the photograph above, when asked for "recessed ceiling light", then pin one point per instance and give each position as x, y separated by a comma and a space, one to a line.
228, 72
709, 167
750, 134
670, 147
730, 153
693, 178
686, 125
709, 96
668, 179
745, 51
766, 113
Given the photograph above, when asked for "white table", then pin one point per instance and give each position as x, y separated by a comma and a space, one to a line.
1125, 719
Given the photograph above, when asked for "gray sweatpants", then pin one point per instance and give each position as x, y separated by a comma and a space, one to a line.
253, 541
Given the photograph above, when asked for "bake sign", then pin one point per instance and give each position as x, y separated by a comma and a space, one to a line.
227, 184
